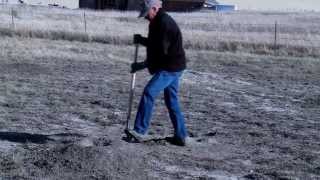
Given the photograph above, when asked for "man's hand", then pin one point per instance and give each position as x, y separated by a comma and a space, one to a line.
137, 66
137, 39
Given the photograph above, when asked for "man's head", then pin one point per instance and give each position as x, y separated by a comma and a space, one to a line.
150, 8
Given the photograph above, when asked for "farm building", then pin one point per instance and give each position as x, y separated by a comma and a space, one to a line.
183, 5
110, 4
169, 5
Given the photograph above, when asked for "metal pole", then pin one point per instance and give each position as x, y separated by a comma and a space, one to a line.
275, 38
133, 81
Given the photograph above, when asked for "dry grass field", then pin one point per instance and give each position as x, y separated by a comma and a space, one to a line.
250, 114
298, 34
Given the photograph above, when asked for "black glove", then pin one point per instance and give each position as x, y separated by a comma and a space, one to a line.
137, 66
137, 39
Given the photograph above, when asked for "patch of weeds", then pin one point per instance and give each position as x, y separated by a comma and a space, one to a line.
255, 176
312, 102
7, 164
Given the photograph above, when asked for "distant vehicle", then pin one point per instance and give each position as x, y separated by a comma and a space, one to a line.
216, 6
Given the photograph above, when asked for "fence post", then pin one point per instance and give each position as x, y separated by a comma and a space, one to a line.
85, 21
12, 20
275, 38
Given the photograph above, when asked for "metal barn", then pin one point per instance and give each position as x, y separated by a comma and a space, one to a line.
182, 5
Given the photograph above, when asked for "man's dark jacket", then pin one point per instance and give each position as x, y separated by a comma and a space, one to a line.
164, 45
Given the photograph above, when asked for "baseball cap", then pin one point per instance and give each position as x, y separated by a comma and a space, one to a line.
146, 5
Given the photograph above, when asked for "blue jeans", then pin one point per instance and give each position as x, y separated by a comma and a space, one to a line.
169, 83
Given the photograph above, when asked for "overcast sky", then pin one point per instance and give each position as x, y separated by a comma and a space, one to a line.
275, 4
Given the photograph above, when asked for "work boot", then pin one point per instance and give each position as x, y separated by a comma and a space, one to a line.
138, 137
176, 141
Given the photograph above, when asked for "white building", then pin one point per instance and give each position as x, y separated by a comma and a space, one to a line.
9, 1
282, 5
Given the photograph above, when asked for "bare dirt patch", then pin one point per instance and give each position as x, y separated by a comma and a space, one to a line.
249, 116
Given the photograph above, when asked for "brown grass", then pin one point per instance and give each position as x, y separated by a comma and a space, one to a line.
298, 33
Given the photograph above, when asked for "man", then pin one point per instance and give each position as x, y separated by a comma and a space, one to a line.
166, 62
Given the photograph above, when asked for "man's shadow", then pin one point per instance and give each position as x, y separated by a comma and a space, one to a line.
32, 138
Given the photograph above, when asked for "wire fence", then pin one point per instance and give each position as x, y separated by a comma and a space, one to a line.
275, 36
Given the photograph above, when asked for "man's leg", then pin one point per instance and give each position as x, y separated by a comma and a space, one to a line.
158, 83
172, 103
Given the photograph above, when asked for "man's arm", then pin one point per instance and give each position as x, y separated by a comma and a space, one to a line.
166, 34
138, 66
138, 39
